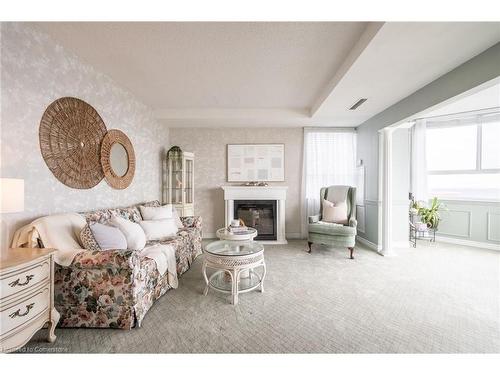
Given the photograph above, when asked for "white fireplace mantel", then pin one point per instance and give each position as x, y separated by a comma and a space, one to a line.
276, 193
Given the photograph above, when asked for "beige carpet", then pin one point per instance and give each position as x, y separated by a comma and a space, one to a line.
433, 299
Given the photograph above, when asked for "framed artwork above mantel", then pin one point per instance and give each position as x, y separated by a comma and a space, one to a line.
256, 162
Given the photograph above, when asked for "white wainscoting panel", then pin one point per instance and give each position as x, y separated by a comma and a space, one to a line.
456, 223
360, 217
493, 231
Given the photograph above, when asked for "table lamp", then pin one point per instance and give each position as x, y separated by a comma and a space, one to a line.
12, 195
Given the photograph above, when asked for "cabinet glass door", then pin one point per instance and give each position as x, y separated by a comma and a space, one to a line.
177, 183
189, 181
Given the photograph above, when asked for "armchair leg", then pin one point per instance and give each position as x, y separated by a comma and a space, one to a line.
351, 249
309, 244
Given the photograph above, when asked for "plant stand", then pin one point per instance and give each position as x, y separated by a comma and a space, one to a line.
416, 234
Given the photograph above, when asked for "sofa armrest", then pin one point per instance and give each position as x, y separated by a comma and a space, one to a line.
191, 221
313, 219
112, 259
353, 222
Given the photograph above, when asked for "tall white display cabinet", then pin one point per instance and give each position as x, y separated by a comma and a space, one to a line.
178, 181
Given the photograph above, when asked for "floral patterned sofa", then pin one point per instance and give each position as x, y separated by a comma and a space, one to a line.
116, 288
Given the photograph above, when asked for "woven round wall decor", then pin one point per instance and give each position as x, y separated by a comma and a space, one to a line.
112, 137
71, 132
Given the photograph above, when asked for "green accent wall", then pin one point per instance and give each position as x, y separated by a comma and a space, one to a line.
478, 70
473, 221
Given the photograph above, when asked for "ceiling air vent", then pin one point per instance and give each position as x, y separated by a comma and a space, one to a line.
357, 104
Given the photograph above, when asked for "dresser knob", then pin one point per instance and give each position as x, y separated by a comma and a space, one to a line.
18, 312
19, 283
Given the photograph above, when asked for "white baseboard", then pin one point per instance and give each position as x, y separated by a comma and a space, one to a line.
459, 241
370, 244
294, 236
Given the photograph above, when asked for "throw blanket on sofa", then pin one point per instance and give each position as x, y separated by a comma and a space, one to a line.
60, 232
164, 257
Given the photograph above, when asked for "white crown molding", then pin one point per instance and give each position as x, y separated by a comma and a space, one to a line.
244, 117
241, 117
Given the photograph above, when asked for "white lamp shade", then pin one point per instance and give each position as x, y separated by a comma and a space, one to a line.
12, 194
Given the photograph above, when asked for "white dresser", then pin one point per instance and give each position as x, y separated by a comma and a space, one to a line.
26, 296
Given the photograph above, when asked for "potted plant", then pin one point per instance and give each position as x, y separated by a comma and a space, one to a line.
430, 215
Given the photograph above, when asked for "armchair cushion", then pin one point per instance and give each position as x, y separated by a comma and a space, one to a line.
332, 229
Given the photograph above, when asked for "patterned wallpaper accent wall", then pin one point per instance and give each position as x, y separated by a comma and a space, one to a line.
210, 148
35, 71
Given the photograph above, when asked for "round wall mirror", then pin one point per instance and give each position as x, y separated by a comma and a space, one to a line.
118, 159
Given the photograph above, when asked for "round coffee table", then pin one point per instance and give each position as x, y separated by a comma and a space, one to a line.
225, 234
229, 259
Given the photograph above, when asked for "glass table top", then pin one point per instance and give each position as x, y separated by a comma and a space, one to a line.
234, 248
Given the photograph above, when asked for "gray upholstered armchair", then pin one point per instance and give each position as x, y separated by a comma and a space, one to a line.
331, 234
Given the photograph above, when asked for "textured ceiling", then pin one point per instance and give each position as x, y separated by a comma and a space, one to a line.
272, 73
214, 65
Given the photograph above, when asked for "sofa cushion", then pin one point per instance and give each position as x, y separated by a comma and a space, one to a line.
136, 238
107, 237
331, 229
104, 215
158, 229
128, 213
88, 240
156, 213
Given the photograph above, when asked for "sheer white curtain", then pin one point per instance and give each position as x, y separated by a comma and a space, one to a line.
418, 171
329, 159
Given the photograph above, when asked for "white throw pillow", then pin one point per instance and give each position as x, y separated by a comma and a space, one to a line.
136, 238
159, 229
334, 212
105, 237
156, 213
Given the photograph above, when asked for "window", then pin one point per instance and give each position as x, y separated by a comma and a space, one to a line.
451, 148
490, 138
463, 158
330, 159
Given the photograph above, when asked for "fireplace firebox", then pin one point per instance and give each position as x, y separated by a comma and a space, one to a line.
258, 214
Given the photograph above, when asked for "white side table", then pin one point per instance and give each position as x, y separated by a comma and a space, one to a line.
26, 296
233, 258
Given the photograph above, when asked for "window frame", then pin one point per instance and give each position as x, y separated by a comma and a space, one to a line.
478, 123
468, 119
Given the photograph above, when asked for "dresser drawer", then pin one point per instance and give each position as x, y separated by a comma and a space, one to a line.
22, 311
23, 278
